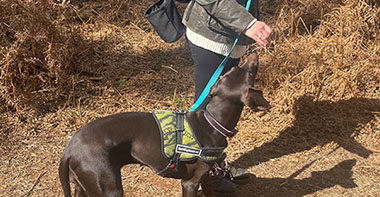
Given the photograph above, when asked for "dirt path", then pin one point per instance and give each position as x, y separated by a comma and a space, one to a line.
289, 162
321, 138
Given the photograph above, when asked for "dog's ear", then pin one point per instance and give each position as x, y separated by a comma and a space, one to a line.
256, 101
214, 87
251, 63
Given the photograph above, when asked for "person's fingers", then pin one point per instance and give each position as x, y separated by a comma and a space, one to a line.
263, 38
268, 41
259, 40
264, 35
268, 29
260, 32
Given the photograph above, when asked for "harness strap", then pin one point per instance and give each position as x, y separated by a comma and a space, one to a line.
200, 152
213, 151
180, 118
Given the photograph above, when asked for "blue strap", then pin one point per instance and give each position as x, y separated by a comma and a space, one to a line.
216, 74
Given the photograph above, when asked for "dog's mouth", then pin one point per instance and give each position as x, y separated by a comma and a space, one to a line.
261, 108
261, 111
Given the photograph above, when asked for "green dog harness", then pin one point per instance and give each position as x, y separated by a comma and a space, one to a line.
178, 142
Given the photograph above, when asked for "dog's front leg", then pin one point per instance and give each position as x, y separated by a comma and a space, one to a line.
206, 185
190, 186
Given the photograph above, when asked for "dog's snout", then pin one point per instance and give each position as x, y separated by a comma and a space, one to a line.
262, 108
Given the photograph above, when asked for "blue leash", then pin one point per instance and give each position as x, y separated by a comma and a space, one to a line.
216, 74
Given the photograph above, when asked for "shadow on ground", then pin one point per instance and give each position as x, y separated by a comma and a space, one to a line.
341, 175
317, 123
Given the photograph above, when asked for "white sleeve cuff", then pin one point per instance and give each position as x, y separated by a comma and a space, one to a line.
250, 24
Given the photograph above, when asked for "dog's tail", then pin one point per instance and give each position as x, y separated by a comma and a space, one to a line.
64, 175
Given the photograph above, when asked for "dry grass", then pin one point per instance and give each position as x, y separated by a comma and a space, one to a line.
63, 64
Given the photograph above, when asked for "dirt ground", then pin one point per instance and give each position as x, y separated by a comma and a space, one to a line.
321, 138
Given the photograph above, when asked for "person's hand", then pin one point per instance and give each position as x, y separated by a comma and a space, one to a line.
260, 32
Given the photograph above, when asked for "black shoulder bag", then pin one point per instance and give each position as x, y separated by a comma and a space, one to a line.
165, 19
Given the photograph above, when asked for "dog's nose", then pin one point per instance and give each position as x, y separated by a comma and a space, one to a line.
252, 56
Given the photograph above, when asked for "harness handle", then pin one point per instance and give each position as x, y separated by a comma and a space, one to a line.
180, 118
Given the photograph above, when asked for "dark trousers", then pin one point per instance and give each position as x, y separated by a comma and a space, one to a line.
205, 64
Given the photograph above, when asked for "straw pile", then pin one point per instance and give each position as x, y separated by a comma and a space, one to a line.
65, 63
40, 52
336, 58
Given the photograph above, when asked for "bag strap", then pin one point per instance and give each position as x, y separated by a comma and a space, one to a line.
217, 72
190, 8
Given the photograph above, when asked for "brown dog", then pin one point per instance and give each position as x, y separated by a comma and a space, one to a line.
95, 154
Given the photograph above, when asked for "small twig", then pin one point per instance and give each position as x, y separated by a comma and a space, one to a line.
286, 181
169, 67
44, 90
76, 12
138, 28
99, 15
96, 78
304, 25
373, 150
36, 182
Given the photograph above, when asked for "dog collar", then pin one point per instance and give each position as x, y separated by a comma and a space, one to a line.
217, 126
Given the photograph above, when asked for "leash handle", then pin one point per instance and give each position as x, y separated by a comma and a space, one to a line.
217, 72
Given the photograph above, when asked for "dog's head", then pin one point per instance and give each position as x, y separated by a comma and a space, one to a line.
237, 86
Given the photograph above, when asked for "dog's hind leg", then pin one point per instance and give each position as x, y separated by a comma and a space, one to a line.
112, 186
97, 177
104, 182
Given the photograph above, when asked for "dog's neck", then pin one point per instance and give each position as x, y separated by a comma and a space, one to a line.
225, 112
